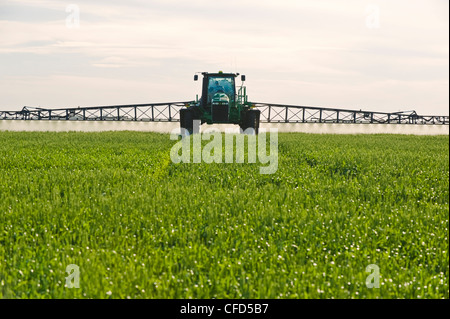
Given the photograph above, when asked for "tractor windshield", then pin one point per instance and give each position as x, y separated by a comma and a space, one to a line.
224, 85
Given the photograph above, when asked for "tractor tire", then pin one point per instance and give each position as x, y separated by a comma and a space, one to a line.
186, 120
251, 120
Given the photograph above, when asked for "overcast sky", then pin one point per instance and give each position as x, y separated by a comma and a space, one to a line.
377, 55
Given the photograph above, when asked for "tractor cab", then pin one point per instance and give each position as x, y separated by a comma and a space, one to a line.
218, 96
220, 102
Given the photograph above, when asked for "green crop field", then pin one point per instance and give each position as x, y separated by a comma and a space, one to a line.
139, 226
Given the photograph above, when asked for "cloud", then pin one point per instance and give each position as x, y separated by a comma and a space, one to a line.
320, 52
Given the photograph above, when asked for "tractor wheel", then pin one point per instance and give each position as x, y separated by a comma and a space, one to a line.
251, 120
187, 120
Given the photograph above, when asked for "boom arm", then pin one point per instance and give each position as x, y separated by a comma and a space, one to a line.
270, 112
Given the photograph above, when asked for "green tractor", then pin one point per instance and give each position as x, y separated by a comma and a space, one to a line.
220, 103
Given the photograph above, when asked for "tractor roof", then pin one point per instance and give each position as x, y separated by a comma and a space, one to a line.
220, 73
